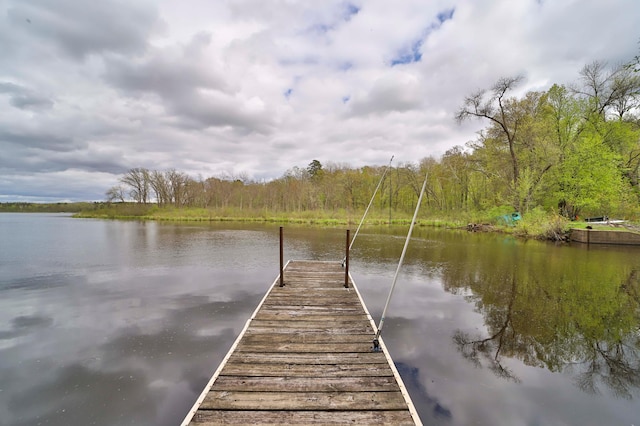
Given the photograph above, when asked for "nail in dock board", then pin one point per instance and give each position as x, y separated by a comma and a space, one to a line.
305, 357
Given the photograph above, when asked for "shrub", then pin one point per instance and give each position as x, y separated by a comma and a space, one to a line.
538, 223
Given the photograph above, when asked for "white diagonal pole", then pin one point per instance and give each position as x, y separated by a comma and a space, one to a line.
404, 251
369, 206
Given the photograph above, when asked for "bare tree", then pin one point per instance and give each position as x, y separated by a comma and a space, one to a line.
497, 108
137, 180
626, 86
115, 193
160, 187
177, 182
615, 89
194, 193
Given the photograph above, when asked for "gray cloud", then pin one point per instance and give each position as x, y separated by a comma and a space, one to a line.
395, 91
81, 28
23, 98
167, 72
88, 90
190, 86
39, 162
38, 139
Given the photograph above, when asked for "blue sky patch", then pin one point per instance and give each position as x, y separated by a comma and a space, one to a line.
351, 10
413, 55
445, 15
321, 28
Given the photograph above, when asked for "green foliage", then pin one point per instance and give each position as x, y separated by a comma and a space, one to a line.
314, 169
542, 224
561, 151
589, 177
491, 215
119, 211
541, 149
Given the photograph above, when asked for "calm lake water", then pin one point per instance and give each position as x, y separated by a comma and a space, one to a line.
123, 323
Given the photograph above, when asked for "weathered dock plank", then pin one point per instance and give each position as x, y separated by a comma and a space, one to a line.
305, 358
275, 315
378, 417
296, 324
338, 310
306, 347
253, 337
307, 384
326, 401
352, 329
297, 370
308, 358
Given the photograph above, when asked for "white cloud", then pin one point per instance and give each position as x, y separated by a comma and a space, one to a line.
258, 87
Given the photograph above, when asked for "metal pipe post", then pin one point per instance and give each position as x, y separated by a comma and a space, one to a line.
346, 264
281, 258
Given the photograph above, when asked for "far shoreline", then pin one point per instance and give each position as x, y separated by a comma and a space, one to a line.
536, 224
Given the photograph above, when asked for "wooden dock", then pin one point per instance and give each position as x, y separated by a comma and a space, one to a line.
305, 357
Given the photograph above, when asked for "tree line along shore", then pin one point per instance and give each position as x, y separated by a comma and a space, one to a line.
571, 151
536, 224
554, 156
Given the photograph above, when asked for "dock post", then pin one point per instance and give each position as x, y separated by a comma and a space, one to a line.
346, 264
281, 258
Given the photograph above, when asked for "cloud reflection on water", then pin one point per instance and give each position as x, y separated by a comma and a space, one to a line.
132, 377
129, 329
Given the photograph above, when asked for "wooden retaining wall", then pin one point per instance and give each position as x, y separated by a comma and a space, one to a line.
597, 236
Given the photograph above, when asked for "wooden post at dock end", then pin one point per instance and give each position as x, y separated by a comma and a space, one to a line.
346, 264
281, 258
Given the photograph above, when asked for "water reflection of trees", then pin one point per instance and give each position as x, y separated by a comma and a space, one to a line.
582, 318
491, 348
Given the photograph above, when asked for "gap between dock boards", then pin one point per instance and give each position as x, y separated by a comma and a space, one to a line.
305, 357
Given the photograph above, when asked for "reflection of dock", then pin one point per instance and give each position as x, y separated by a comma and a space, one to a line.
305, 357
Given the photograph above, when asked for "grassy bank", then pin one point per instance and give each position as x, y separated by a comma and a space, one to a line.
536, 224
312, 217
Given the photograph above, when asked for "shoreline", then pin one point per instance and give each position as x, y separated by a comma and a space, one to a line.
536, 224
316, 221
161, 215
550, 230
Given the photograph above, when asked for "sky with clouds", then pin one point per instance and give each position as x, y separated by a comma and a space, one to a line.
91, 89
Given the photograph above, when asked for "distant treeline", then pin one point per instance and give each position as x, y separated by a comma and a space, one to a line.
316, 187
573, 149
45, 207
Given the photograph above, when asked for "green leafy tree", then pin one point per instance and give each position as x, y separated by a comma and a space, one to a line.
589, 178
314, 169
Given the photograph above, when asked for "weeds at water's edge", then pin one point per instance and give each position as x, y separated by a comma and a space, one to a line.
319, 218
536, 224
